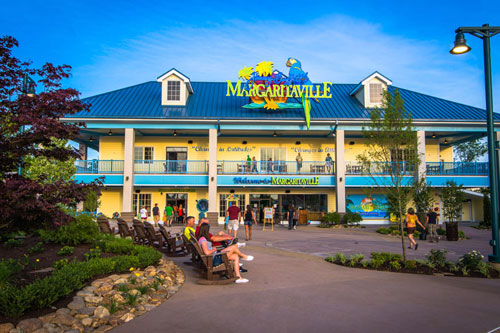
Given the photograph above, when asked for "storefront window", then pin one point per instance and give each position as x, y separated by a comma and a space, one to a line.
223, 205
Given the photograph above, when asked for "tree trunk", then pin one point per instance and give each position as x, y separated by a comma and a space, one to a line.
402, 231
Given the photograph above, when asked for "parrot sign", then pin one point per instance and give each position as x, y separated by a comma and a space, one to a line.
270, 89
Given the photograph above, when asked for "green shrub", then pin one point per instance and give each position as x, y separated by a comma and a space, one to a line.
471, 261
441, 232
10, 243
93, 253
143, 289
416, 234
340, 258
14, 301
377, 263
394, 227
60, 263
383, 231
386, 256
365, 263
82, 230
437, 258
355, 259
66, 251
330, 219
8, 267
36, 249
395, 233
395, 266
352, 218
462, 235
411, 264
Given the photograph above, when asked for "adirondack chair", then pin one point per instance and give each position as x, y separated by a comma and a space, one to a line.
154, 238
174, 244
195, 258
125, 231
221, 274
140, 232
104, 226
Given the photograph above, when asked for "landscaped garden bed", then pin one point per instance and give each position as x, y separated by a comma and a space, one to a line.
470, 264
46, 271
393, 230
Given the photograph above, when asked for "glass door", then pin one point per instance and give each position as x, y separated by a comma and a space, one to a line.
273, 159
176, 159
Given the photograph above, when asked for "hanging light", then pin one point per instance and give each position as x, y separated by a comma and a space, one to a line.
90, 140
461, 46
433, 135
275, 134
110, 133
445, 141
175, 132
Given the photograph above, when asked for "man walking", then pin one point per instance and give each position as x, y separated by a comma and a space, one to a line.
432, 221
299, 162
156, 214
234, 215
169, 211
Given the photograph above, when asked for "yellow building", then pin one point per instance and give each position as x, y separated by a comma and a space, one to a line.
189, 144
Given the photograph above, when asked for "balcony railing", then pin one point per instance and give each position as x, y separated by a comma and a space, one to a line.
99, 166
432, 168
276, 167
458, 168
167, 166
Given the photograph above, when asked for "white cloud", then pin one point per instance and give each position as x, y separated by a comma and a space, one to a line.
335, 48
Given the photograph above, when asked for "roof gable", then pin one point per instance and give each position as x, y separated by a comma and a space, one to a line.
181, 76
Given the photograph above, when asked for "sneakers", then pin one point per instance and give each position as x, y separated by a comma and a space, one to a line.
241, 245
234, 241
249, 258
243, 270
416, 247
241, 280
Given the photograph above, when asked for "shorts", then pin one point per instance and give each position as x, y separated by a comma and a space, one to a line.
217, 260
233, 225
249, 223
169, 217
144, 218
411, 230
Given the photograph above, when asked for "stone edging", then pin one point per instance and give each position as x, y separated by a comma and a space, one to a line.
90, 309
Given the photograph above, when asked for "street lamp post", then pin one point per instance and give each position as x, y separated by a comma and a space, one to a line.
485, 32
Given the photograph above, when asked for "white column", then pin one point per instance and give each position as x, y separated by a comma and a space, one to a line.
340, 171
212, 214
422, 166
128, 169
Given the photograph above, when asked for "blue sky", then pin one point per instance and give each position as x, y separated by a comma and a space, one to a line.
113, 44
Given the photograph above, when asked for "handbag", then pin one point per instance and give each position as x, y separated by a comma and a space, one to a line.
164, 219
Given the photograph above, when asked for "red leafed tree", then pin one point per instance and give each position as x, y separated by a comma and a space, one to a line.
28, 125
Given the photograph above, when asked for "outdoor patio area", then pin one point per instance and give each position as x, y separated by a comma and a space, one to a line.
292, 289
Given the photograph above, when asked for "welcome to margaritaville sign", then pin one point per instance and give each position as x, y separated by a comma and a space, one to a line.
270, 89
282, 181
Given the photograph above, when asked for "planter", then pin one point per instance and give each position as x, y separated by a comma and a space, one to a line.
452, 231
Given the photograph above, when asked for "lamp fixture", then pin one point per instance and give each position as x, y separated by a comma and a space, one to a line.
297, 143
275, 134
110, 133
244, 142
175, 132
351, 143
445, 141
433, 135
91, 139
190, 142
460, 46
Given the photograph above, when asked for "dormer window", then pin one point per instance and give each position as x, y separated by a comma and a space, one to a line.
375, 93
173, 90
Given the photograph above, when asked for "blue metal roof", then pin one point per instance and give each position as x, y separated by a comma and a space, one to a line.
143, 101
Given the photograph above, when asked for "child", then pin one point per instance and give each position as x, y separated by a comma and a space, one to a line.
144, 214
411, 224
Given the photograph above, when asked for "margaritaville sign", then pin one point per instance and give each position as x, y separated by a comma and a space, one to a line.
270, 89
281, 181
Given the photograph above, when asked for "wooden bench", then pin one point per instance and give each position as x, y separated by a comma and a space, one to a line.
140, 232
214, 275
175, 244
125, 231
195, 258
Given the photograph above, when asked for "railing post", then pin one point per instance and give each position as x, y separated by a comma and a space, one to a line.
111, 167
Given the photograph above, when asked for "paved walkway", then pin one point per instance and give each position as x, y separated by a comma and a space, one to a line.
296, 292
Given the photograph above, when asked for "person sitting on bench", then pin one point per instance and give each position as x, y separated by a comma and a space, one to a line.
221, 239
189, 227
233, 253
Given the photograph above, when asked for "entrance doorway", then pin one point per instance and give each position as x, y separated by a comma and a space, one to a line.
261, 201
178, 201
176, 159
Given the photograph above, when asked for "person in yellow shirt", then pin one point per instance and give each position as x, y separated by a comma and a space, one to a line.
189, 227
411, 225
